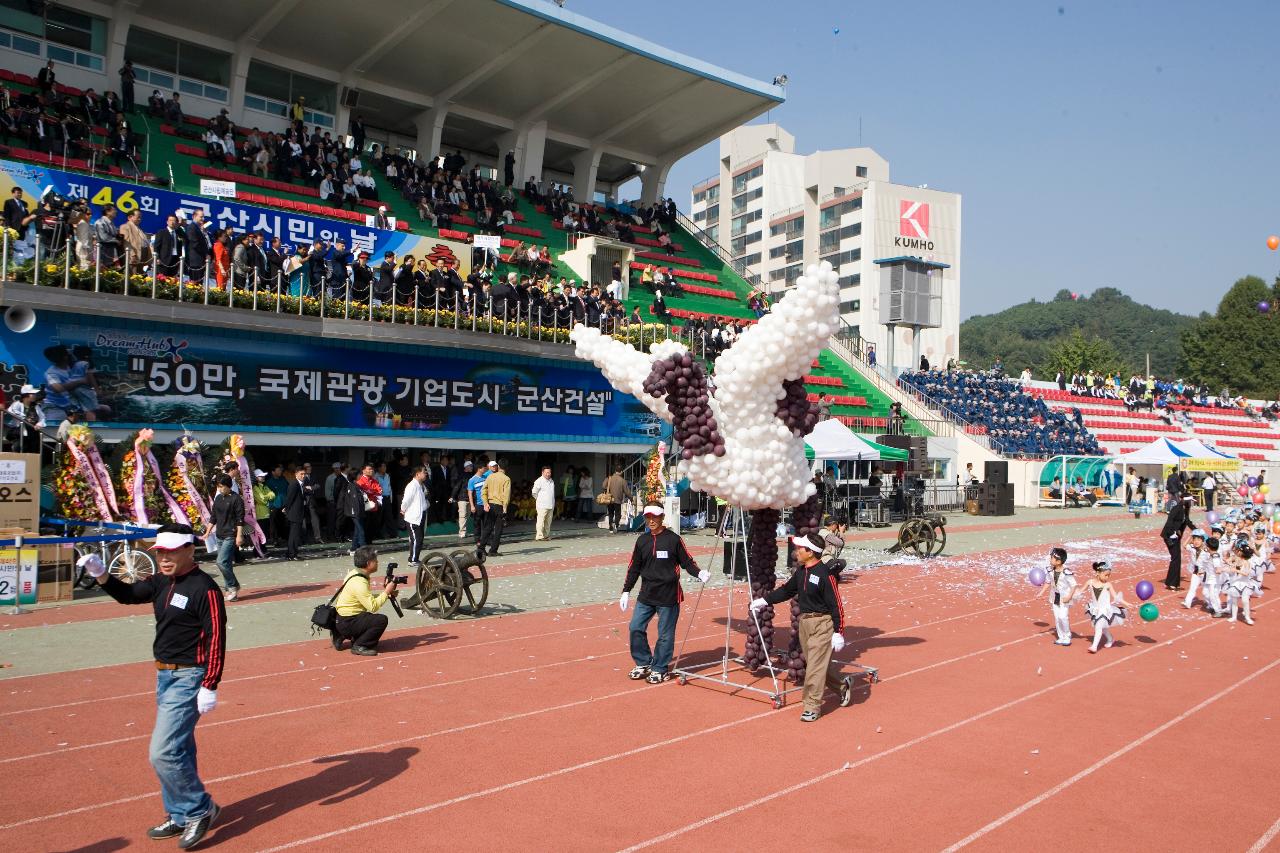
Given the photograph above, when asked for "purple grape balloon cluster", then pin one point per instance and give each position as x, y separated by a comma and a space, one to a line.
762, 559
682, 384
795, 410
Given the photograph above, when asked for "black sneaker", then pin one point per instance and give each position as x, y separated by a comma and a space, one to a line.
364, 650
194, 832
338, 640
168, 829
846, 691
638, 673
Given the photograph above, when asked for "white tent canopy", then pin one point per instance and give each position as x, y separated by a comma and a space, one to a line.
831, 439
1162, 451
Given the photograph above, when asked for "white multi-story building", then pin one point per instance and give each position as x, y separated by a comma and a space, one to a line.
776, 212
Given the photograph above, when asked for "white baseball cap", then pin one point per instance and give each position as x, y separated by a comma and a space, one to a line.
809, 543
173, 541
653, 509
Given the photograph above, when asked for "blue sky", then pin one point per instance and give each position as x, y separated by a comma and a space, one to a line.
1130, 144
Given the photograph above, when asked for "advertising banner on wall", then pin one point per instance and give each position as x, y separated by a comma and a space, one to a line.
293, 229
161, 374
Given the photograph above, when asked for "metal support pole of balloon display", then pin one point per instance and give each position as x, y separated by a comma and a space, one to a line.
730, 663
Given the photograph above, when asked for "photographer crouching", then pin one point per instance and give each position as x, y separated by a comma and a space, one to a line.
357, 607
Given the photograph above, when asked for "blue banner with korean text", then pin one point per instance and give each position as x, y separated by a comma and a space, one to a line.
158, 374
156, 204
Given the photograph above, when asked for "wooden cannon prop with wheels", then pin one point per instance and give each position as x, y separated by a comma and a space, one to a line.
446, 584
925, 536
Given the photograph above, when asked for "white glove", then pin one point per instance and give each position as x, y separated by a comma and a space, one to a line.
623, 600
759, 604
837, 642
92, 565
206, 700
704, 575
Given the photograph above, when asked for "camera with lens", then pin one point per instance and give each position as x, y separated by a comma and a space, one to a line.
402, 580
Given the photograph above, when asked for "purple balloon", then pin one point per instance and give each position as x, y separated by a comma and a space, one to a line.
1253, 482
1264, 307
1145, 590
1036, 576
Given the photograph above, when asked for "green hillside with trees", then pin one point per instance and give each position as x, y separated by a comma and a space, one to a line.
1105, 330
1237, 347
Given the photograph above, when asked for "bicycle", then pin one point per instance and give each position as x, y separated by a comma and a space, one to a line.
123, 561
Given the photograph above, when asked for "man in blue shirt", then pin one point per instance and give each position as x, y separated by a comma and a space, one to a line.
474, 485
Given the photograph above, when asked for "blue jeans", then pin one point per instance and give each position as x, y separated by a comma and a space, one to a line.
666, 645
357, 530
173, 744
227, 562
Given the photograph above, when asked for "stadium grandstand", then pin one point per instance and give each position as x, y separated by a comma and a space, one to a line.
266, 124
337, 177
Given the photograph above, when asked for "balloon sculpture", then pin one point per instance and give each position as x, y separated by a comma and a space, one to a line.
147, 501
741, 431
187, 483
82, 483
242, 473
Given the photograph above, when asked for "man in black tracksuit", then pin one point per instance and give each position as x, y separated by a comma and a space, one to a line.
657, 559
1179, 518
189, 648
813, 585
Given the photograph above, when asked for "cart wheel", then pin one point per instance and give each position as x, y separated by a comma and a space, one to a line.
682, 680
439, 585
916, 536
777, 702
939, 538
475, 582
132, 565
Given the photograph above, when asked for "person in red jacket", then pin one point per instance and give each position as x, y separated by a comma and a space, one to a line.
656, 560
367, 515
189, 649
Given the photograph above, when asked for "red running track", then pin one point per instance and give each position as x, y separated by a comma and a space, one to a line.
528, 736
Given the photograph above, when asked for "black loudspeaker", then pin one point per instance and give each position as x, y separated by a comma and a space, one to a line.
350, 97
996, 472
737, 567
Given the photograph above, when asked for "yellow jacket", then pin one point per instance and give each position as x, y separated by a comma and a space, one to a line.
356, 596
497, 489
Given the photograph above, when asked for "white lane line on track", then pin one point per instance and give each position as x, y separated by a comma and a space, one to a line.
306, 761
497, 789
1267, 838
675, 833
1103, 762
602, 626
247, 773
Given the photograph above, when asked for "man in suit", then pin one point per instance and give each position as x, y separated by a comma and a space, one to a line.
275, 261
438, 491
107, 235
18, 216
199, 247
47, 79
168, 247
1177, 520
295, 512
356, 129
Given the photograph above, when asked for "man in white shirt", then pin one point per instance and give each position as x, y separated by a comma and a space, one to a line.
413, 508
614, 289
1210, 487
544, 500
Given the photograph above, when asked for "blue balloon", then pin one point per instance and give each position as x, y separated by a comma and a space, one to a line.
836, 30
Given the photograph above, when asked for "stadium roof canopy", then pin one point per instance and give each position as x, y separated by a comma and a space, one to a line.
497, 65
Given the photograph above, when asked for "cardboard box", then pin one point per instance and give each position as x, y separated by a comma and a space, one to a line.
20, 490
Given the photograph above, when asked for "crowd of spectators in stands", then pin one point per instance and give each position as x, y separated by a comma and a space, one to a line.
58, 123
1170, 398
1015, 421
